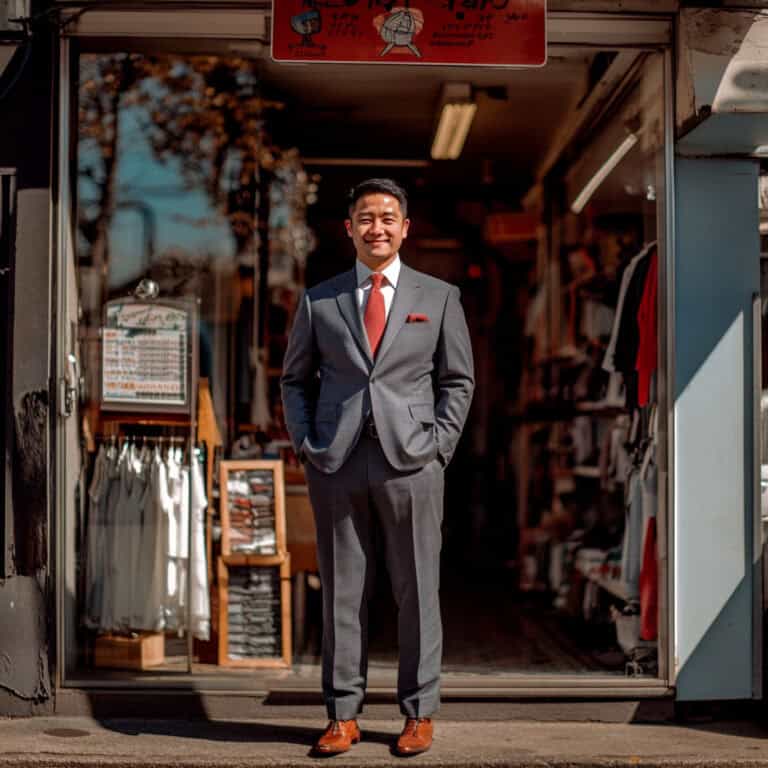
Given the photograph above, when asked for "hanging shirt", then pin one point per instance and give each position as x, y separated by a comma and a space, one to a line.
111, 538
129, 515
649, 568
149, 595
610, 352
200, 610
177, 543
95, 542
647, 323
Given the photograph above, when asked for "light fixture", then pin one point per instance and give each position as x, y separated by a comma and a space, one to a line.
591, 186
458, 111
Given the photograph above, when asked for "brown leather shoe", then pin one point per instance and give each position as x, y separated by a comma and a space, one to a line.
338, 737
416, 736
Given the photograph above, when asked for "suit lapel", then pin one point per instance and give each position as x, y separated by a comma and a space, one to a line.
407, 294
347, 301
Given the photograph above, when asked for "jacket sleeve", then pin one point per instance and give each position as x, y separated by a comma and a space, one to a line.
455, 377
299, 376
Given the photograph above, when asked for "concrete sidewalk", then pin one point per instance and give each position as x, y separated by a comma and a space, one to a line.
75, 742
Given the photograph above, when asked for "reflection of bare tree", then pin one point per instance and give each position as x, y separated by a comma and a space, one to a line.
203, 112
104, 82
207, 113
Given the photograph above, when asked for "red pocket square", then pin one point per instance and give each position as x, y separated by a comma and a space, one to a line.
415, 317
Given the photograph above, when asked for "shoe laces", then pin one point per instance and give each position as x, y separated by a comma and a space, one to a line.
413, 725
335, 727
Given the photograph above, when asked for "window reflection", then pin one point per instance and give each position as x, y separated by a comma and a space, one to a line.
180, 181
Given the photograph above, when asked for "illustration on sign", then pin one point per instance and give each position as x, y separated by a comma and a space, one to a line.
399, 28
306, 25
474, 32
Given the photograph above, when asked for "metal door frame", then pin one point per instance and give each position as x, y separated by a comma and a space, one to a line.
583, 30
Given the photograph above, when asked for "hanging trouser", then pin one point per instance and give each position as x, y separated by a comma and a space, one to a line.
408, 507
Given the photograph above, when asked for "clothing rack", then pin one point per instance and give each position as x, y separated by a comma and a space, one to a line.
116, 424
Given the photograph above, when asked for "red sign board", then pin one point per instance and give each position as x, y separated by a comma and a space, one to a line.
509, 33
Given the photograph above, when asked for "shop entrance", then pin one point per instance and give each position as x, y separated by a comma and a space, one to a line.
217, 176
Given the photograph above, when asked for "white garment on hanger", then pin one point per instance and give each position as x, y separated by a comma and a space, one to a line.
149, 595
200, 609
129, 512
596, 319
260, 413
178, 545
96, 542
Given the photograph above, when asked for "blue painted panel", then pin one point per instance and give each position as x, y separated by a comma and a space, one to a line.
716, 273
726, 134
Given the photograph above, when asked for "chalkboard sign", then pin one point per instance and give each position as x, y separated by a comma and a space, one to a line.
149, 355
252, 507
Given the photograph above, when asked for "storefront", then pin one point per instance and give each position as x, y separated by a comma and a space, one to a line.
200, 188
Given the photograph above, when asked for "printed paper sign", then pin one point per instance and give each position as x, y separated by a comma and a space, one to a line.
144, 355
471, 32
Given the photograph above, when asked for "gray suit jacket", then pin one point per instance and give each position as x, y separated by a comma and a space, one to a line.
418, 389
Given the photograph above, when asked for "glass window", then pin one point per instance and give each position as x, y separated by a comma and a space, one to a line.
218, 182
182, 196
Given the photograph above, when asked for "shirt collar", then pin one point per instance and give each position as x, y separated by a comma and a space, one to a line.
392, 272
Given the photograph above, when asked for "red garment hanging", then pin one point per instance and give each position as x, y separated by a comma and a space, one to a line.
649, 585
647, 323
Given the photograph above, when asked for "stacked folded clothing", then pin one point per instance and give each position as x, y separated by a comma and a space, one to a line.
252, 512
254, 613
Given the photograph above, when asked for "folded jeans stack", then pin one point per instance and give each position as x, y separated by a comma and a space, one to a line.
254, 613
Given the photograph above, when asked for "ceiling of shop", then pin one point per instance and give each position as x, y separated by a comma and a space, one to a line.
390, 112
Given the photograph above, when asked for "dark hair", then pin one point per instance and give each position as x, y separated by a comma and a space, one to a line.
380, 186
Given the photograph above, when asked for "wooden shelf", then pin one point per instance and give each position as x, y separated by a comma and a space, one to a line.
565, 410
600, 409
242, 558
585, 470
283, 562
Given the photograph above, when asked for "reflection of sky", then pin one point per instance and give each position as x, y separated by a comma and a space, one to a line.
151, 194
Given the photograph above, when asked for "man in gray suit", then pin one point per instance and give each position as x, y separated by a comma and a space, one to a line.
377, 381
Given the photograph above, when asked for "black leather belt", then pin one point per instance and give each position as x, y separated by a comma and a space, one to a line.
370, 428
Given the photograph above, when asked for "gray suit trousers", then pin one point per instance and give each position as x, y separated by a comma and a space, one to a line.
409, 509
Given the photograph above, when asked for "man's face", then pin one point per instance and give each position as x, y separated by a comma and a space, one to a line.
377, 228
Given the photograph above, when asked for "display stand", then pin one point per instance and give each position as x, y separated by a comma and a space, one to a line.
254, 568
149, 379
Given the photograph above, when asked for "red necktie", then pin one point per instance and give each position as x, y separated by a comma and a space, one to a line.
375, 314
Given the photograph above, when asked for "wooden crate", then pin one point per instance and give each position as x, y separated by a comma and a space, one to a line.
145, 650
281, 562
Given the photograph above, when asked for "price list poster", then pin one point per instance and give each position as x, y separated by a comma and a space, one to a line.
145, 355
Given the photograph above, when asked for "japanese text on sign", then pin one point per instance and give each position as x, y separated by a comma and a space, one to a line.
144, 355
472, 32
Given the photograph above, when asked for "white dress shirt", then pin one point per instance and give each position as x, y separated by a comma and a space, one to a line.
388, 284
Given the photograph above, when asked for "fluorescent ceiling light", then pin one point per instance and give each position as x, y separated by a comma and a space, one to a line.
591, 186
455, 121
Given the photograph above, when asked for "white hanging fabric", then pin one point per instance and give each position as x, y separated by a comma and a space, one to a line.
200, 610
139, 564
